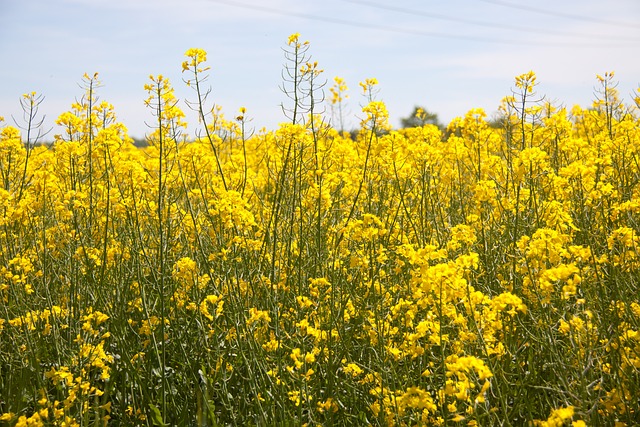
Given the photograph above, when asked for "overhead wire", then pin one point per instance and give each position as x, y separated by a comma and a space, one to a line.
558, 14
407, 31
492, 25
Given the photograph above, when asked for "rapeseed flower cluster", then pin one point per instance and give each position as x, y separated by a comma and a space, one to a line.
477, 275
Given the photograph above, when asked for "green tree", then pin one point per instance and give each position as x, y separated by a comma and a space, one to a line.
420, 117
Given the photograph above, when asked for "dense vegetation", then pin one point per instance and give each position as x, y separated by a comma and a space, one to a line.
480, 275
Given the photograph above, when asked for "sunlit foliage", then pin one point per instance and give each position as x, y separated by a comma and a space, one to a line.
482, 275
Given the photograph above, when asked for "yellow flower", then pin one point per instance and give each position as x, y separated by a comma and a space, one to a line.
293, 39
559, 416
368, 84
377, 115
338, 90
7, 416
526, 81
257, 316
271, 346
327, 405
352, 369
196, 57
309, 357
294, 396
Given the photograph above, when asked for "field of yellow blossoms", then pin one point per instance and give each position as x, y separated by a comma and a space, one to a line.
486, 274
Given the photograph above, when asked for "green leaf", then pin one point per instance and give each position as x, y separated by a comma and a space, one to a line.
156, 416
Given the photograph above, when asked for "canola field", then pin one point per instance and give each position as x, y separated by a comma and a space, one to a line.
479, 275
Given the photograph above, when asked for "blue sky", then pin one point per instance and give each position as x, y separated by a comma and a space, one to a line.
448, 56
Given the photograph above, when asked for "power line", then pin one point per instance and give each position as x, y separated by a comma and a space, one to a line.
484, 23
562, 14
407, 31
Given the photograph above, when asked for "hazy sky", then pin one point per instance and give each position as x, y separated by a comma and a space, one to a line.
448, 56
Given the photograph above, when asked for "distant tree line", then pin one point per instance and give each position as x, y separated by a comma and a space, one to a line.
420, 117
